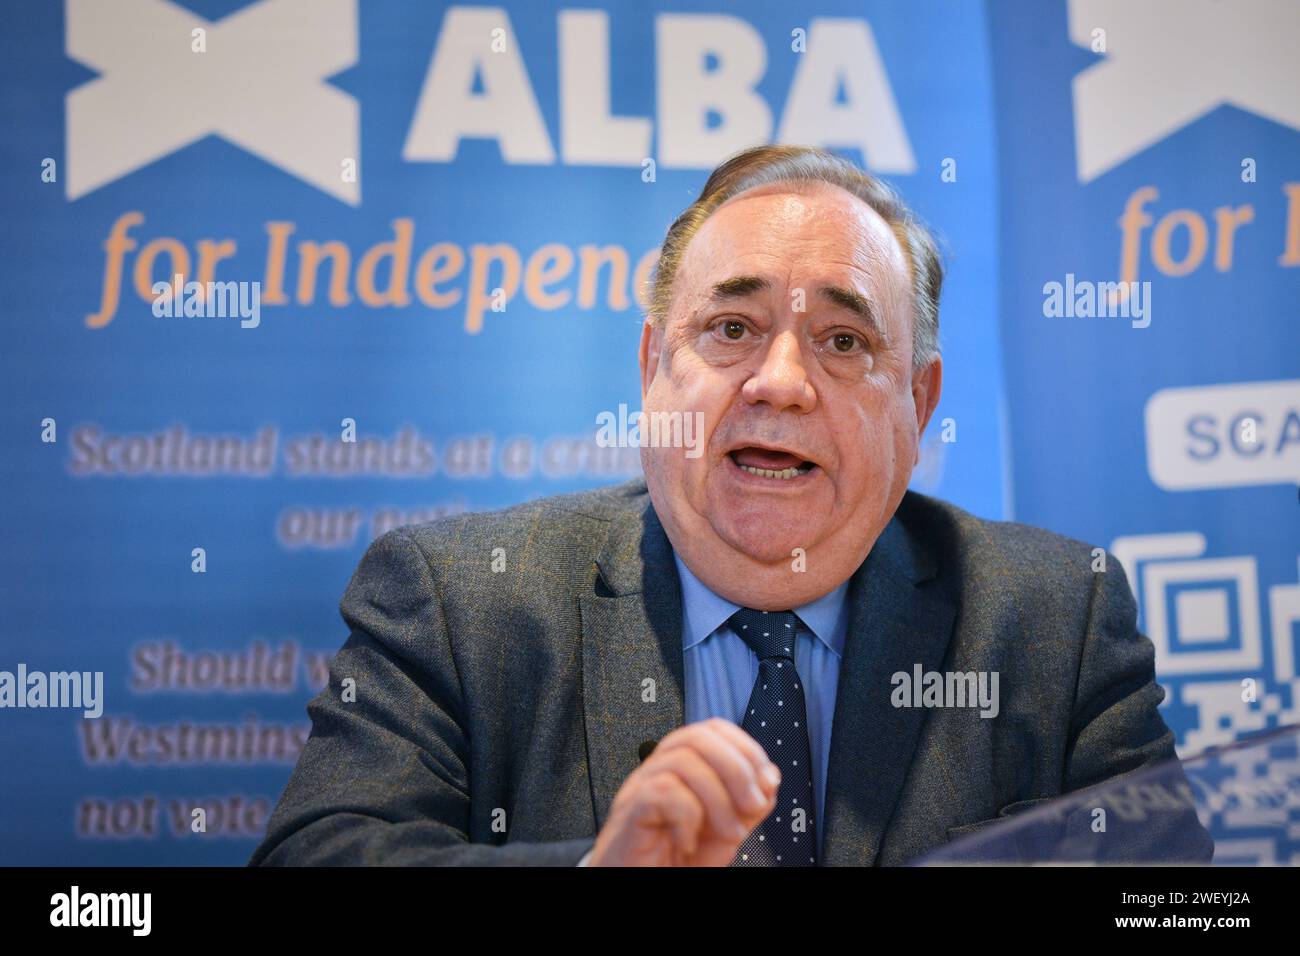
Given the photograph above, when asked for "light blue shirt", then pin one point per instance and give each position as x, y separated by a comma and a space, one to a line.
720, 668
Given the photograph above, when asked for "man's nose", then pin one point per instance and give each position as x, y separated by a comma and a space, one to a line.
781, 379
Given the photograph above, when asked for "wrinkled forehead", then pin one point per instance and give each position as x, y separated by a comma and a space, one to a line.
799, 233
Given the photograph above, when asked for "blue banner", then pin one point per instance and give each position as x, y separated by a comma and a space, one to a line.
412, 241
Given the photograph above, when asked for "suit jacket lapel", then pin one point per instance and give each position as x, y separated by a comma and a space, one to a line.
898, 617
631, 633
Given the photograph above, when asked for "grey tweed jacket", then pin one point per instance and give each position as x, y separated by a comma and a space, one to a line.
497, 712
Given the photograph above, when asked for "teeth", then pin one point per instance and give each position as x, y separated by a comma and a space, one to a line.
769, 473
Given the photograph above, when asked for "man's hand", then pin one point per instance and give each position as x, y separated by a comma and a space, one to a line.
692, 802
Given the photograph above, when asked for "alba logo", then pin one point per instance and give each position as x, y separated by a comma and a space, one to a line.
258, 82
1170, 62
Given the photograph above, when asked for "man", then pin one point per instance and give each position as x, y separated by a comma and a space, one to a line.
707, 667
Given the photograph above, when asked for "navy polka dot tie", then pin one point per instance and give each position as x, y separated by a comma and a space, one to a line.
776, 717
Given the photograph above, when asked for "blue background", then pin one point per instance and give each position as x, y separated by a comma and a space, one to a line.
1048, 414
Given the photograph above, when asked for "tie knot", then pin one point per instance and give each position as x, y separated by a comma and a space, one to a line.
769, 633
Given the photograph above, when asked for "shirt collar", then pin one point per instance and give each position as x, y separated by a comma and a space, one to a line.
705, 611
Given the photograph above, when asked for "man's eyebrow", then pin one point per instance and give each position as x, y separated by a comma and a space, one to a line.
739, 286
856, 303
743, 285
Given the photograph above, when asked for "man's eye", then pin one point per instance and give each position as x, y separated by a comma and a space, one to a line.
732, 329
844, 341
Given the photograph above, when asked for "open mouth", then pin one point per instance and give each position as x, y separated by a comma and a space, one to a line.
770, 463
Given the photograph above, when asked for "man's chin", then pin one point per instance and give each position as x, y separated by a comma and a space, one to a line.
767, 542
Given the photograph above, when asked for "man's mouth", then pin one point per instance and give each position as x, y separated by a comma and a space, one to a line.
770, 462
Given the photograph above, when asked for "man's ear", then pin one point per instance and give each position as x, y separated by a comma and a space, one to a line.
651, 341
926, 386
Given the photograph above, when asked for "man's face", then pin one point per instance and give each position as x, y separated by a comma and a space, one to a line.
791, 332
